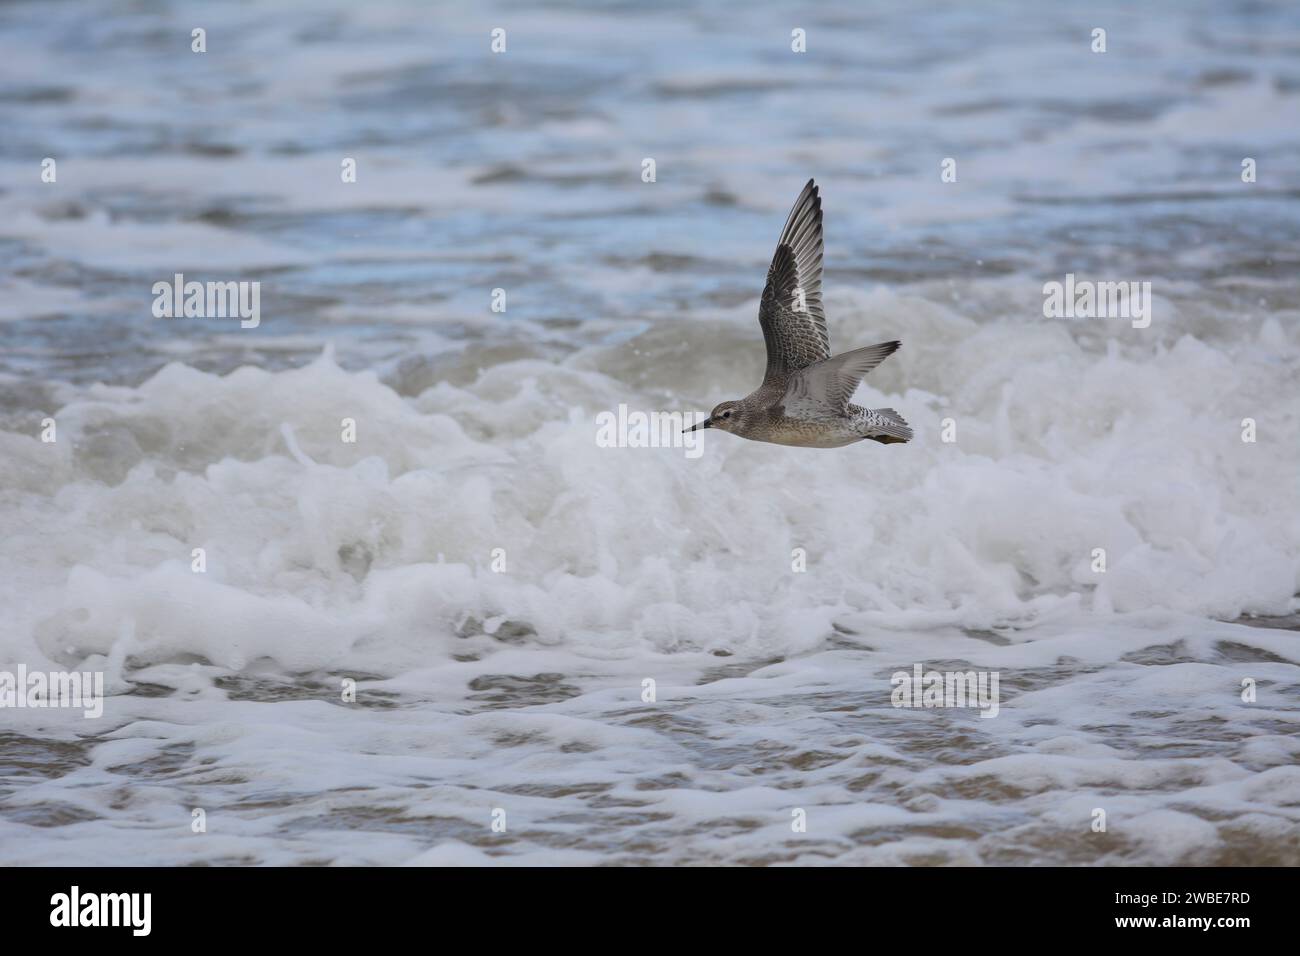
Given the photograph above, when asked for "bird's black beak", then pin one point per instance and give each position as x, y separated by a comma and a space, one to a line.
707, 423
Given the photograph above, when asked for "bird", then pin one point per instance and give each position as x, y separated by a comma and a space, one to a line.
804, 398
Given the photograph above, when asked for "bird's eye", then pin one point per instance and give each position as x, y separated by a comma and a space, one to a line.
726, 414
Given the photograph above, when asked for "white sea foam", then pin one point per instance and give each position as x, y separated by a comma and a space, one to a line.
375, 558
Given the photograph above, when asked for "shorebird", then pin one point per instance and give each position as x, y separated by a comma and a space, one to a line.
804, 398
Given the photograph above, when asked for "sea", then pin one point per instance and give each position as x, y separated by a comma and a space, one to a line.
362, 581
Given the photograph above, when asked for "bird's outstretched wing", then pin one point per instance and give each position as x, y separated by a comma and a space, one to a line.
794, 325
830, 384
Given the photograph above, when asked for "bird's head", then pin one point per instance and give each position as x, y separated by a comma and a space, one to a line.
728, 416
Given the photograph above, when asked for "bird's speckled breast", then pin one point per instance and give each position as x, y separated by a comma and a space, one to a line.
832, 433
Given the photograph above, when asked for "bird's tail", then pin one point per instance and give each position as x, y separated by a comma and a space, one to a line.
888, 427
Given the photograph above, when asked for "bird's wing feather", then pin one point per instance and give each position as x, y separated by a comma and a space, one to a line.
794, 328
831, 383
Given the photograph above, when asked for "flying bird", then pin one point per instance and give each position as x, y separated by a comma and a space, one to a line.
804, 398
